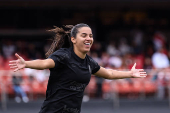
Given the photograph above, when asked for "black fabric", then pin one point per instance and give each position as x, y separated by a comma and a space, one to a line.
67, 81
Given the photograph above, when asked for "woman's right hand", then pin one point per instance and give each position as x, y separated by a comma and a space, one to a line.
17, 64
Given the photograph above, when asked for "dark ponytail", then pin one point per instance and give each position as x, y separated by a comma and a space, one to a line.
61, 39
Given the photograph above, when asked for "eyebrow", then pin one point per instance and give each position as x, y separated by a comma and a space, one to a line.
86, 33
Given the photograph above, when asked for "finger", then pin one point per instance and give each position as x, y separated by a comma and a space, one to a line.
13, 61
134, 66
12, 67
140, 69
12, 64
16, 70
17, 56
143, 74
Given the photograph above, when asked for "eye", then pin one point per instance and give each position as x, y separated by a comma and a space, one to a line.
91, 36
83, 35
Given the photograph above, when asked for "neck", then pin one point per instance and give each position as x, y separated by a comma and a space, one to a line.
79, 54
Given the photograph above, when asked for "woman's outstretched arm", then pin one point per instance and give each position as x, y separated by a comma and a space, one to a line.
20, 63
114, 74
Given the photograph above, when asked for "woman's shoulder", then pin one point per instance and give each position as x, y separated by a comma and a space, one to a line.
63, 52
91, 60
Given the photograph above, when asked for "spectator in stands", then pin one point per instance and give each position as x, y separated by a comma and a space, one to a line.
147, 63
105, 58
160, 60
71, 68
8, 49
112, 50
138, 42
124, 48
159, 40
161, 84
97, 47
19, 92
41, 75
32, 51
95, 56
115, 61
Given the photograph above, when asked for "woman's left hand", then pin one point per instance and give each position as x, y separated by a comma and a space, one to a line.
138, 73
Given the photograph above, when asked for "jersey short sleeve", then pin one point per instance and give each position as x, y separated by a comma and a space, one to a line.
94, 65
60, 57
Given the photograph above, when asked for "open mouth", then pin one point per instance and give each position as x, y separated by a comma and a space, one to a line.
87, 43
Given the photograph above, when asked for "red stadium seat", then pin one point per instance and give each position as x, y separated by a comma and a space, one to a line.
124, 88
149, 87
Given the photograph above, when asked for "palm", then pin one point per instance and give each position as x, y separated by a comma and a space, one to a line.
20, 63
138, 73
17, 64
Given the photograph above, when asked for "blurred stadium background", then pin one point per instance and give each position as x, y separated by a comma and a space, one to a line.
125, 32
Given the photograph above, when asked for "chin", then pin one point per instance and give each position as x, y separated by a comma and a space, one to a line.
86, 50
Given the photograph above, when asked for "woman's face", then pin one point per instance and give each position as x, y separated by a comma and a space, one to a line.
83, 40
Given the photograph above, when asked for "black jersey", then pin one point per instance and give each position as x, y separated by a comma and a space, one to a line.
67, 81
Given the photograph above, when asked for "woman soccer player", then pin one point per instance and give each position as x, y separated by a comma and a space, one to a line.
70, 69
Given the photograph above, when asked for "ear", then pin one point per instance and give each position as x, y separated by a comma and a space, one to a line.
73, 40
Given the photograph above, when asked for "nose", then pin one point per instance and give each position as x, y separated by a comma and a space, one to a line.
89, 38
